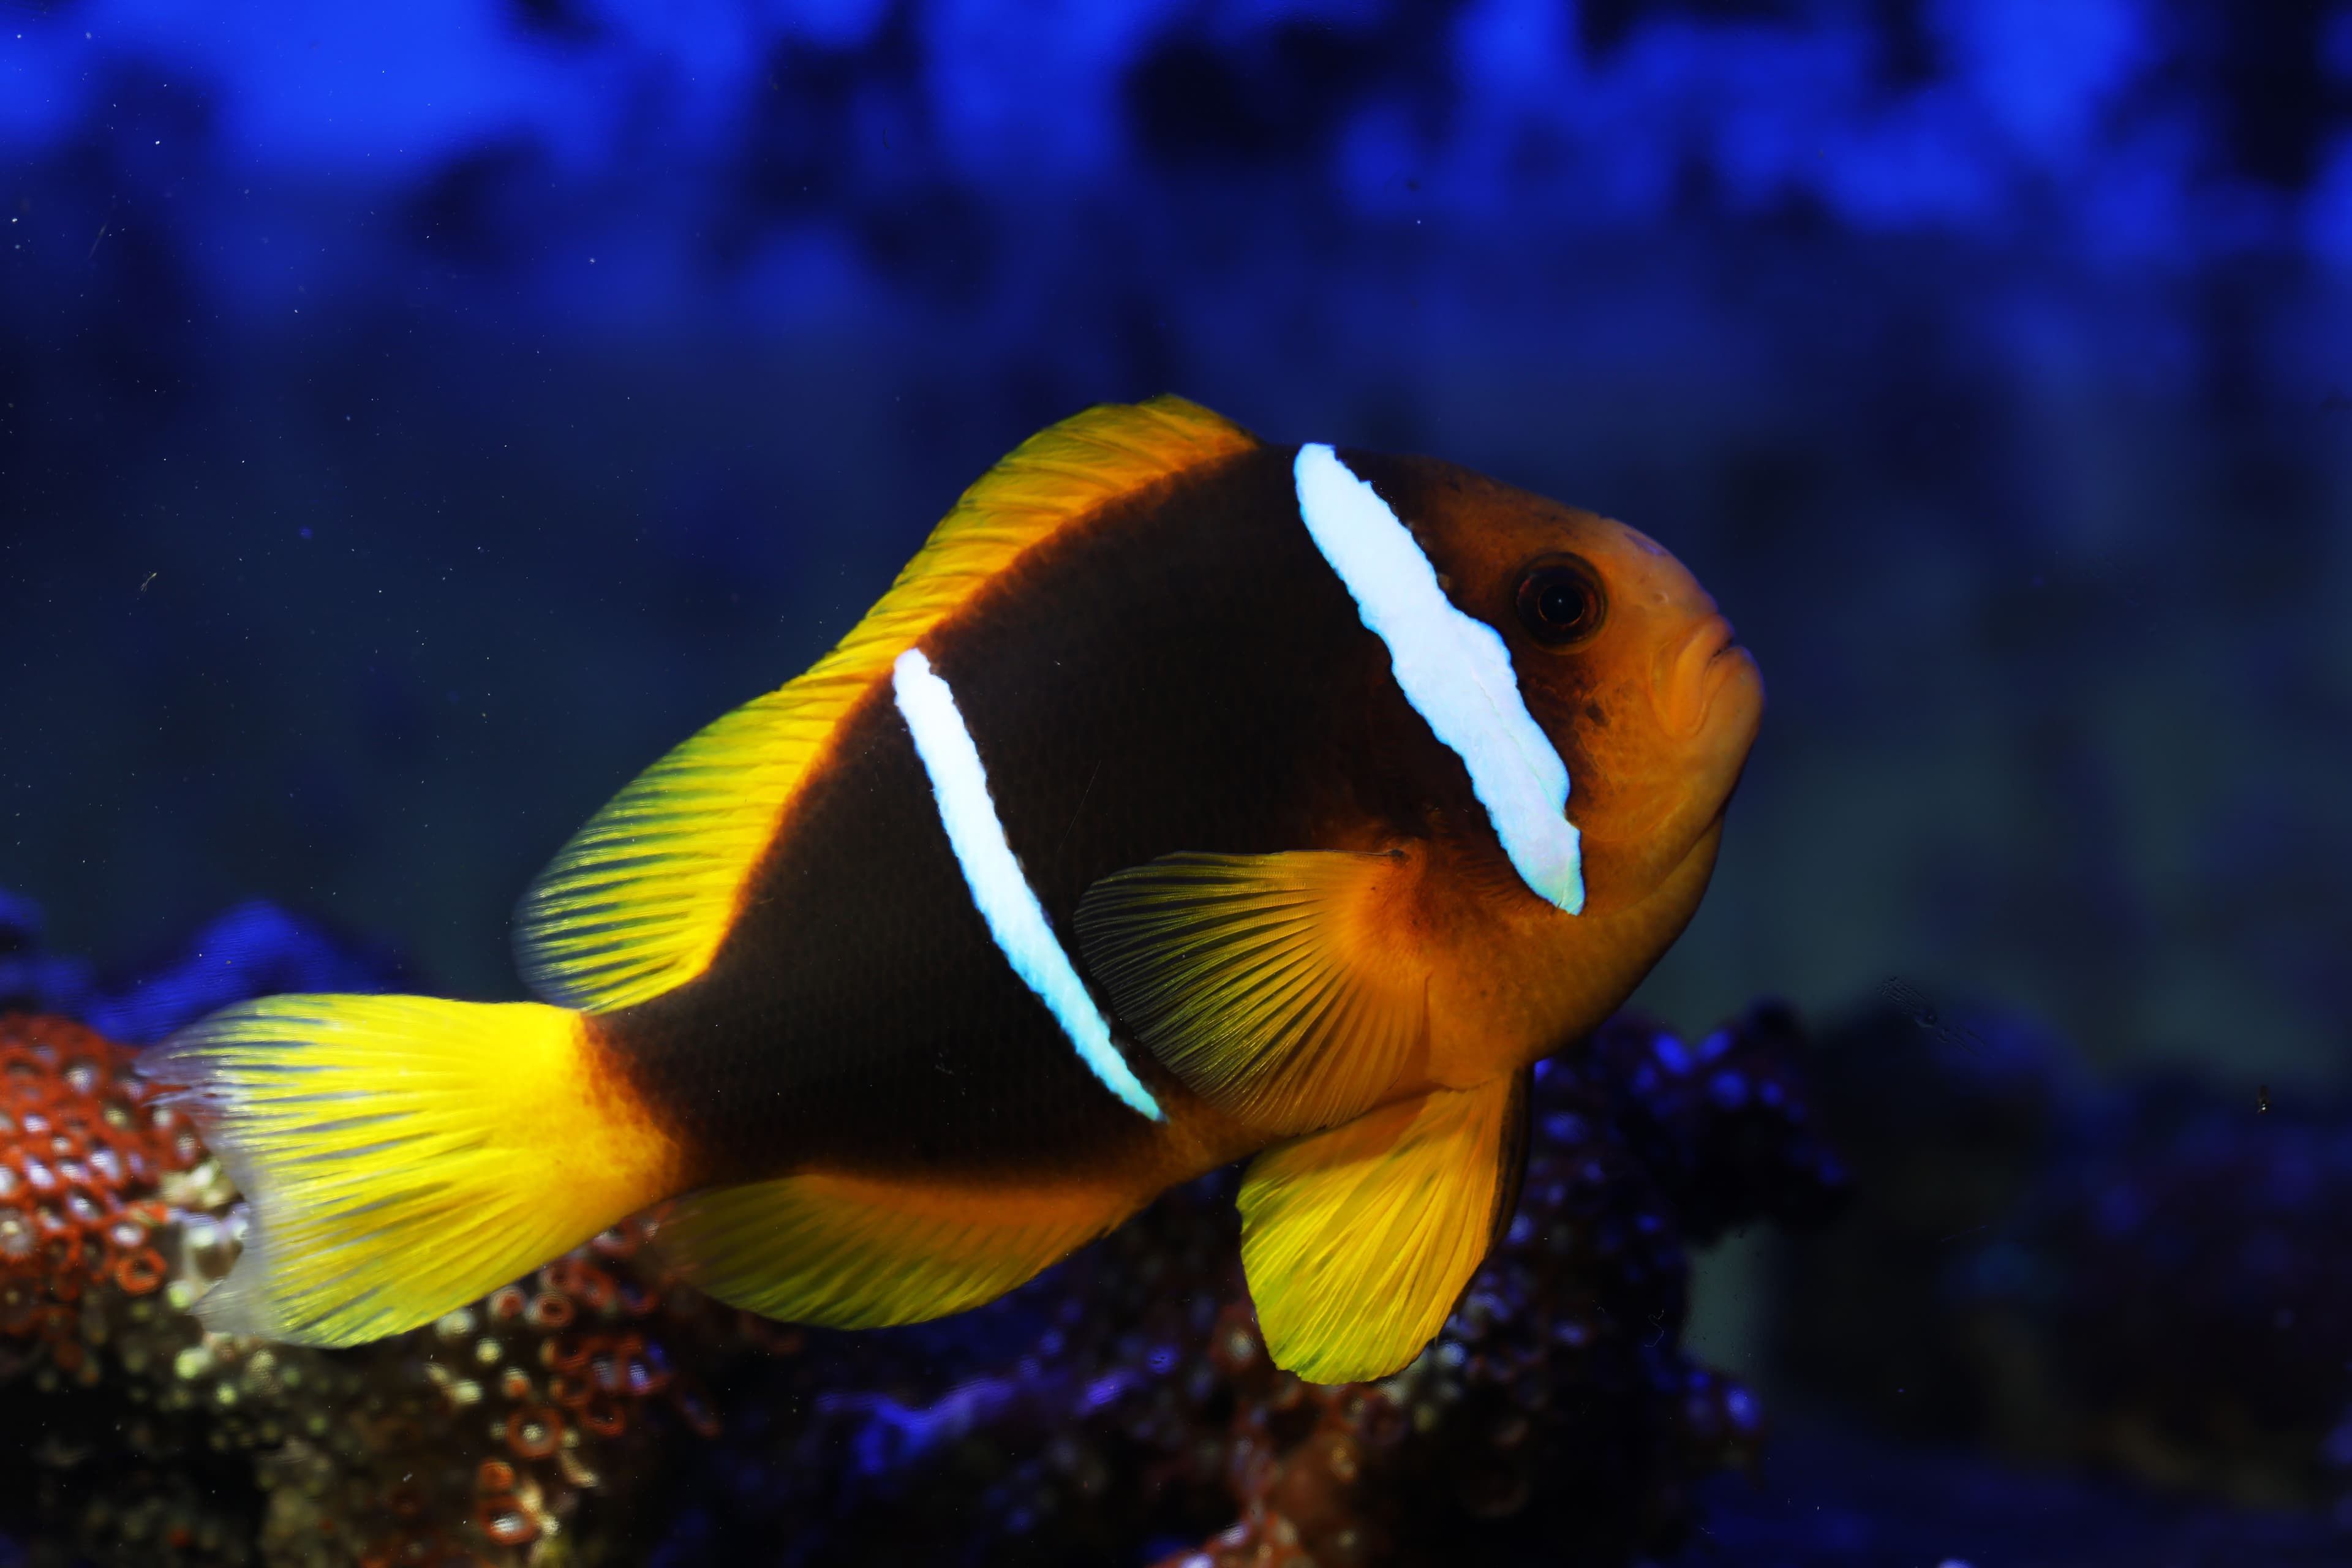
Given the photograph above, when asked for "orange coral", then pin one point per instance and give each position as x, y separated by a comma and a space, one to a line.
83, 1153
476, 1440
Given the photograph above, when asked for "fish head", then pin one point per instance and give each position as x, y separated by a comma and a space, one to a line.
1621, 657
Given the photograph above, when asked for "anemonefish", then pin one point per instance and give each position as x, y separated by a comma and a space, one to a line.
1187, 799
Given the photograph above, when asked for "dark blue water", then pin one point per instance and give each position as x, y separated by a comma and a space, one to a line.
414, 419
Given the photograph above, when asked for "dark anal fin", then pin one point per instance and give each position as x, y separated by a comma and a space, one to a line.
1358, 1241
853, 1252
1286, 990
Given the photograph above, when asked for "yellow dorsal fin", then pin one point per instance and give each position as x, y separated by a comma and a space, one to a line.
639, 900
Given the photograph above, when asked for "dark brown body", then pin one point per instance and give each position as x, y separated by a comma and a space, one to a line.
1182, 671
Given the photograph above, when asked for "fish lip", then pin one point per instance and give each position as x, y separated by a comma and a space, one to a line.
1697, 669
1718, 636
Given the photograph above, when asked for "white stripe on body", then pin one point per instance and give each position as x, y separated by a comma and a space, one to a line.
1001, 892
1453, 668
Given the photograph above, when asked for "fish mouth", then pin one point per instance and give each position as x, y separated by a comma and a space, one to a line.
1700, 666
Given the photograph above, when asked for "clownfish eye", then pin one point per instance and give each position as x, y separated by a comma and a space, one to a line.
1561, 601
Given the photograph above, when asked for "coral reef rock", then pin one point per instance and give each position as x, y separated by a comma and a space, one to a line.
1121, 1407
137, 1437
2154, 1275
1126, 1398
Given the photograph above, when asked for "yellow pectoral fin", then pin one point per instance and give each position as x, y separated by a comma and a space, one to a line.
1283, 989
1358, 1241
853, 1252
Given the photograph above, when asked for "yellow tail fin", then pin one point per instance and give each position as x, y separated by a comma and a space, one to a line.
404, 1155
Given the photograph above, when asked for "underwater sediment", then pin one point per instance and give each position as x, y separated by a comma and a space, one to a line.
2152, 1277
1122, 1406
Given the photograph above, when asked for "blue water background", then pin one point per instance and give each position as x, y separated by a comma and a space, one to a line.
413, 419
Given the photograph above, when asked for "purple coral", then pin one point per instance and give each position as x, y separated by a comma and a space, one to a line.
1127, 1398
2153, 1276
1121, 1406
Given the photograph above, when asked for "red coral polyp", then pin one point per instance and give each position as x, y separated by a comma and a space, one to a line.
81, 1147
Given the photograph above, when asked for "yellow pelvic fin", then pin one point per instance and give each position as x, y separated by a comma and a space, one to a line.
1286, 990
1358, 1241
853, 1252
404, 1155
639, 900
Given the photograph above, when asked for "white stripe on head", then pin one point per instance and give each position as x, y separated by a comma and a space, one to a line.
1003, 894
1453, 668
